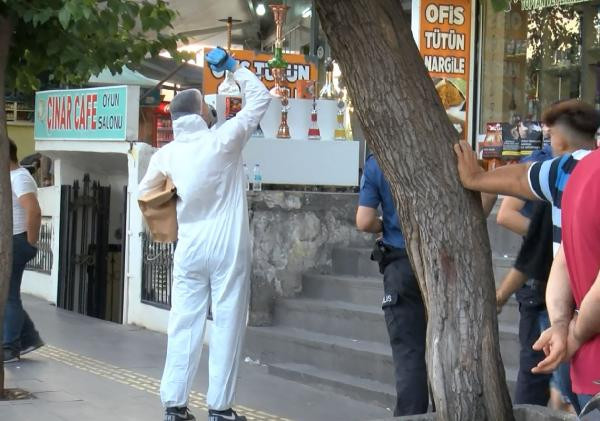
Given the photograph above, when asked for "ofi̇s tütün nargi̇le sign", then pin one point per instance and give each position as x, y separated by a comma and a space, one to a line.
82, 114
445, 44
298, 70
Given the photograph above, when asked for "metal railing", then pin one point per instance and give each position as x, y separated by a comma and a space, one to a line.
157, 272
42, 262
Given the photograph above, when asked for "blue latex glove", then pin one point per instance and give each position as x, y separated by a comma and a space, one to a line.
219, 60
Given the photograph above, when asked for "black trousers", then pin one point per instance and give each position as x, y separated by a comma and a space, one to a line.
407, 326
531, 389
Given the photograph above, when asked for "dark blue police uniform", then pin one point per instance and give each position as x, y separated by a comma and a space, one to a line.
402, 303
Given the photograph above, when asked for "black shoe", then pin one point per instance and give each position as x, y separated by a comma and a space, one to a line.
228, 415
37, 344
178, 414
10, 355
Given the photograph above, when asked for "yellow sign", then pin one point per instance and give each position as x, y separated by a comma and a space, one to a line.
298, 70
445, 44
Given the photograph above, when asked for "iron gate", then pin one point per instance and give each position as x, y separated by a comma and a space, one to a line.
157, 272
84, 247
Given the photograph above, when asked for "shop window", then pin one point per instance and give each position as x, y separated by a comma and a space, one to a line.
533, 58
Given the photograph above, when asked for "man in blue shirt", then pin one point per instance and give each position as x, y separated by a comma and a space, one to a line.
402, 303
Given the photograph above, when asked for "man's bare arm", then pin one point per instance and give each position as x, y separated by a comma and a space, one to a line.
367, 220
588, 321
511, 218
510, 180
33, 216
559, 297
488, 201
555, 341
513, 280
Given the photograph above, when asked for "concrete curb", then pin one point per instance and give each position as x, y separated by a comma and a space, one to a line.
522, 413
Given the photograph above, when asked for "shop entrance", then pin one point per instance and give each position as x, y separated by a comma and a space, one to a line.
90, 275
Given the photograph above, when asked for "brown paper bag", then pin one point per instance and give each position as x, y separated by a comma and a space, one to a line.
160, 212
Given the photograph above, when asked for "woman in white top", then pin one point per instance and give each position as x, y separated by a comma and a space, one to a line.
20, 335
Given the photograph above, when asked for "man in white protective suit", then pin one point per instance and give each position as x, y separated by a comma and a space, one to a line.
213, 256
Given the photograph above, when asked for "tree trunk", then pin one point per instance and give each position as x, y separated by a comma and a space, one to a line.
408, 130
5, 188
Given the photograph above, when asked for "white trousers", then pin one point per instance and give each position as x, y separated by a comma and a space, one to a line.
229, 290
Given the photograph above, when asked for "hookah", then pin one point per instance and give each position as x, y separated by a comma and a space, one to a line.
229, 87
313, 132
278, 67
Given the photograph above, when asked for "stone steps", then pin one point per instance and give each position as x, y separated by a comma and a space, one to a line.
354, 261
336, 318
352, 289
334, 337
368, 391
363, 359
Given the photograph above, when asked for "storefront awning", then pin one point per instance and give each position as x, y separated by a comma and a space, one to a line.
188, 76
126, 77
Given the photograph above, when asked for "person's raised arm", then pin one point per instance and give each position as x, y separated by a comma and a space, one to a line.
236, 131
511, 180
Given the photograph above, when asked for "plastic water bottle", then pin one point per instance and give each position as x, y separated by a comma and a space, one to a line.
247, 177
257, 184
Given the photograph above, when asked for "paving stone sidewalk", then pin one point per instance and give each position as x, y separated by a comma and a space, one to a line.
94, 370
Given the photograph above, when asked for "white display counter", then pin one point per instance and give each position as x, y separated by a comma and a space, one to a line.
300, 161
304, 162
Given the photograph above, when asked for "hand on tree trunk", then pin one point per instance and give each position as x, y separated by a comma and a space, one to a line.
468, 167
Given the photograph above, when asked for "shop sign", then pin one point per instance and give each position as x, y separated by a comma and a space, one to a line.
445, 44
87, 114
298, 70
542, 4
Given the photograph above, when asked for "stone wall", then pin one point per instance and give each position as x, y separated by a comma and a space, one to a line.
295, 232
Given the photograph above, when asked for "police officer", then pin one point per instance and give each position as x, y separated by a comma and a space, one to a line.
402, 303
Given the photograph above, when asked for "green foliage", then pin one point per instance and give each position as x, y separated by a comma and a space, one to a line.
500, 5
67, 41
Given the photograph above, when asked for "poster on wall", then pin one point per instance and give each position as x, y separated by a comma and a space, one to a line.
445, 44
298, 70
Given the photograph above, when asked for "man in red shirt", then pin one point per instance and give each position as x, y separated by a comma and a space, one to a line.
573, 292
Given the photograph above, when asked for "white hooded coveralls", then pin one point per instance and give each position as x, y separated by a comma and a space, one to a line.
213, 256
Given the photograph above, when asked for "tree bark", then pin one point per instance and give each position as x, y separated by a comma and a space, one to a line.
408, 130
5, 188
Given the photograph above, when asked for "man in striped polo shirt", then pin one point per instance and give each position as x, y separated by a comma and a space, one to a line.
572, 123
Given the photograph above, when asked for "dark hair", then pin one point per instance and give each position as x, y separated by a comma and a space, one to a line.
577, 115
13, 150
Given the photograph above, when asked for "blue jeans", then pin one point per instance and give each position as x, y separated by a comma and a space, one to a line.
531, 389
19, 331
